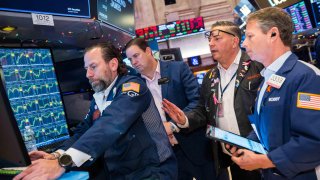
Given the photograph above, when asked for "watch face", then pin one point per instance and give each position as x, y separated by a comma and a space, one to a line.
65, 160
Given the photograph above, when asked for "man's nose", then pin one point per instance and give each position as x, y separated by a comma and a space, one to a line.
89, 73
211, 42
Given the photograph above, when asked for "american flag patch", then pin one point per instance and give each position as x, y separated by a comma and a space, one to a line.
131, 86
308, 101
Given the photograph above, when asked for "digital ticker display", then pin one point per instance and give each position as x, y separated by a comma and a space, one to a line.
171, 29
300, 17
32, 89
78, 8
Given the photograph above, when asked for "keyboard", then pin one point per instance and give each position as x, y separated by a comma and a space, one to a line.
51, 147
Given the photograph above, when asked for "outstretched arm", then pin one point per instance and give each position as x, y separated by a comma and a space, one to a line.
175, 113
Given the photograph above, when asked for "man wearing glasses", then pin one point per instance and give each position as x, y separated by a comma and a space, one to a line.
227, 94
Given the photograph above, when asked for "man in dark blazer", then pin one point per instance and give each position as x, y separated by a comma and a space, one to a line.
174, 81
227, 94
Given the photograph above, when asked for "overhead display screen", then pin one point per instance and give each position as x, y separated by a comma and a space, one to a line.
300, 17
118, 13
243, 9
171, 29
315, 4
76, 8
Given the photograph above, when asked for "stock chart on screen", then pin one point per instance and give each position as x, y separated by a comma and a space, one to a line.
30, 81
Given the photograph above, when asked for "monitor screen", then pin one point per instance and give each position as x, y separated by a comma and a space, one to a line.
243, 9
300, 17
72, 76
172, 29
172, 54
315, 5
117, 13
200, 75
78, 8
194, 61
32, 89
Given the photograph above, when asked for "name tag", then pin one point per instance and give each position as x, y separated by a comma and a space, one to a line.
276, 81
273, 99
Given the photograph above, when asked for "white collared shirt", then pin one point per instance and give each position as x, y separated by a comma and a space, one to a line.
155, 90
268, 72
100, 97
229, 121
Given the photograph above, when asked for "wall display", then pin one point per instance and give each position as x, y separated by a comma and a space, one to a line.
277, 3
118, 13
300, 17
200, 75
172, 29
194, 61
315, 5
243, 9
78, 8
29, 78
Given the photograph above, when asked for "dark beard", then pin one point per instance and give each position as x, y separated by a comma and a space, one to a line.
100, 86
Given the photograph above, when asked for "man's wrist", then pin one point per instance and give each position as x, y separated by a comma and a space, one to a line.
174, 128
266, 163
56, 154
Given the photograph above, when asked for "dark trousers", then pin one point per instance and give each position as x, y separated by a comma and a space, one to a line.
187, 170
239, 174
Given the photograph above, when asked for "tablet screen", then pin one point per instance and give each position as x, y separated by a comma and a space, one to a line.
233, 139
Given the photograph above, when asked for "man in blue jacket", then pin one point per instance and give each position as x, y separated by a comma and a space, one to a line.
175, 81
123, 125
286, 119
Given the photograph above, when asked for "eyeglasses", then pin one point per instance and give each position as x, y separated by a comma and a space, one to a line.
215, 33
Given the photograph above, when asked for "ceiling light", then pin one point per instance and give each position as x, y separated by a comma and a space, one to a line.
7, 29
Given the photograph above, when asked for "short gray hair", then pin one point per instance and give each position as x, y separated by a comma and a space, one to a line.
270, 17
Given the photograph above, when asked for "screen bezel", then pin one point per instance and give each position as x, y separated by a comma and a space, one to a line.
17, 154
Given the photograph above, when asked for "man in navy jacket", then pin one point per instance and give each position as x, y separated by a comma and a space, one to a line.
174, 81
286, 119
123, 125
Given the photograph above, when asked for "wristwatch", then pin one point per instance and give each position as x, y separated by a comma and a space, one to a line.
173, 129
65, 161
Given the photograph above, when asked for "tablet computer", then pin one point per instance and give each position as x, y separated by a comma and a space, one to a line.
235, 140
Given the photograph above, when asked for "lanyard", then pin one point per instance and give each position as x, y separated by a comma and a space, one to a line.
224, 89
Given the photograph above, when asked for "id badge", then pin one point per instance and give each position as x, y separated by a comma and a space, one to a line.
220, 109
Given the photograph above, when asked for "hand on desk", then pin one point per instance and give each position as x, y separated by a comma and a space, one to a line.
41, 169
175, 113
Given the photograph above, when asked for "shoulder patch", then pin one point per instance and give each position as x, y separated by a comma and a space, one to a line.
308, 101
131, 86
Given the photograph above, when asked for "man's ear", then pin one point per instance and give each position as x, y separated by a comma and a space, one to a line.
149, 51
236, 41
113, 64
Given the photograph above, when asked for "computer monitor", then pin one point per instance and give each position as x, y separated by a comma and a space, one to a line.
194, 61
29, 80
300, 16
71, 75
243, 9
200, 75
172, 54
13, 152
315, 5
